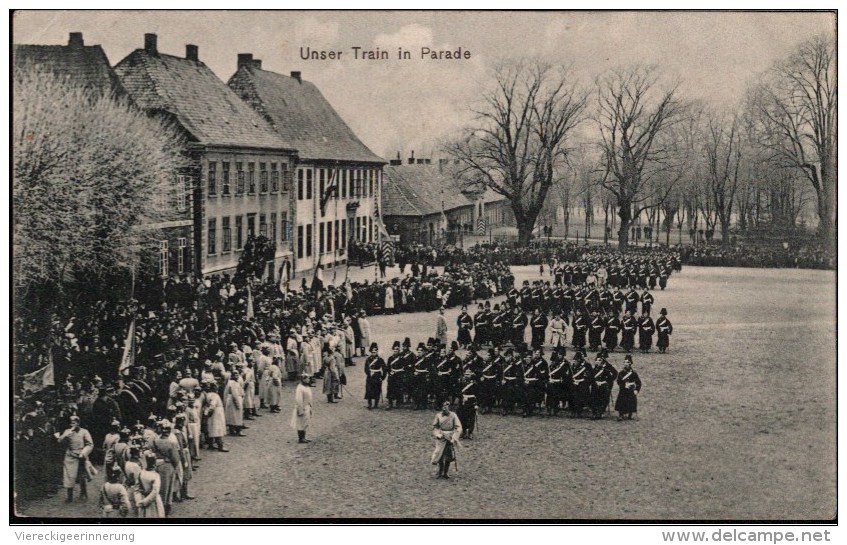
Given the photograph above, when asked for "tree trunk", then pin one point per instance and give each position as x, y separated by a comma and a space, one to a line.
625, 214
524, 232
825, 216
725, 232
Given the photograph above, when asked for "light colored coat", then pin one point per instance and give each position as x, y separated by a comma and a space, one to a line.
249, 388
216, 417
234, 403
301, 415
78, 445
365, 327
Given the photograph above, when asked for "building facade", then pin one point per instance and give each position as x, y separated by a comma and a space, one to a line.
239, 181
337, 182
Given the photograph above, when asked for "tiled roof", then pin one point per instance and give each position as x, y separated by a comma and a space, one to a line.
300, 114
189, 91
418, 190
83, 65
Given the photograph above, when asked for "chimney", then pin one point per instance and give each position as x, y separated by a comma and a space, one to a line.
75, 39
150, 44
296, 75
245, 59
192, 52
412, 158
257, 64
396, 162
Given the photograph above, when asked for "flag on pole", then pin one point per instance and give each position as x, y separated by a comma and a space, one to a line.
128, 359
480, 226
249, 303
38, 380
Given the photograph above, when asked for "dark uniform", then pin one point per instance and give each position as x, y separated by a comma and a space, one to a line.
518, 325
481, 327
465, 324
613, 327
595, 333
628, 327
538, 326
580, 325
511, 393
421, 379
557, 384
646, 302
580, 389
467, 405
534, 378
375, 371
665, 329
489, 379
629, 385
396, 378
646, 328
604, 377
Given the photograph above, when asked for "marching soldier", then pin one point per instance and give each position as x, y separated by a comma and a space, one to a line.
465, 323
481, 324
535, 378
646, 302
421, 378
632, 299
629, 325
468, 403
512, 382
409, 359
646, 328
489, 379
580, 389
556, 381
603, 379
595, 332
518, 325
375, 371
498, 319
539, 328
665, 329
396, 376
580, 326
629, 385
443, 376
613, 326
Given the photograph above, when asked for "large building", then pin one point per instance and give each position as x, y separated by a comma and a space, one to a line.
89, 67
338, 180
424, 203
240, 178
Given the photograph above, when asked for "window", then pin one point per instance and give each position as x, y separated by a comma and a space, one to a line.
285, 227
163, 258
226, 233
309, 240
299, 241
308, 184
371, 183
321, 247
225, 178
300, 182
274, 178
182, 187
212, 179
212, 236
352, 183
286, 179
239, 232
337, 235
182, 244
251, 177
370, 229
343, 239
343, 183
263, 178
239, 178
263, 225
359, 183
358, 228
272, 225
321, 183
251, 225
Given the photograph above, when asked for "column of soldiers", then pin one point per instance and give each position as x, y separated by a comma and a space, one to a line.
514, 376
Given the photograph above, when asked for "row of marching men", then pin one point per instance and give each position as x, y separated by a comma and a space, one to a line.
595, 330
509, 378
566, 299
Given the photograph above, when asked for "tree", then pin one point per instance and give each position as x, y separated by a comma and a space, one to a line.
797, 106
633, 116
519, 140
89, 173
722, 151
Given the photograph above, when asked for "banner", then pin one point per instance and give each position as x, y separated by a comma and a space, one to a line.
128, 359
480, 226
38, 380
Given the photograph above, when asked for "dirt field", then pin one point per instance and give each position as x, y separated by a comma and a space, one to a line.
737, 421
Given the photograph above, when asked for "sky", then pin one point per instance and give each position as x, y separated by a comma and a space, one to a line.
417, 104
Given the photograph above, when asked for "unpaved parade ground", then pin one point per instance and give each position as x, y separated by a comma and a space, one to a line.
737, 421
